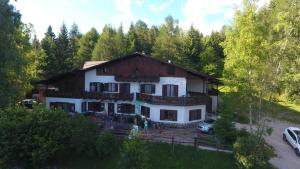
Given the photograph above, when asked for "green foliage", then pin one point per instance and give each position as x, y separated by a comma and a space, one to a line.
134, 154
86, 46
168, 42
225, 129
15, 68
252, 153
105, 48
83, 136
31, 138
192, 47
106, 145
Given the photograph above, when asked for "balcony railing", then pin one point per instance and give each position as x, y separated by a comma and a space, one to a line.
178, 101
90, 95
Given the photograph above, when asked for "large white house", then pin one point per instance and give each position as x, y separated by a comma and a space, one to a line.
136, 84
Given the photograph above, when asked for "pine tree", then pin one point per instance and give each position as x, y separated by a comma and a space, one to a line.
168, 44
49, 47
132, 42
75, 36
192, 47
86, 46
105, 48
63, 56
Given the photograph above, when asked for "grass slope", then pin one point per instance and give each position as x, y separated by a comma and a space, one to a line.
162, 157
232, 101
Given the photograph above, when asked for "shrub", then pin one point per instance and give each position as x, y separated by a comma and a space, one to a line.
225, 129
252, 153
106, 144
83, 136
31, 138
134, 154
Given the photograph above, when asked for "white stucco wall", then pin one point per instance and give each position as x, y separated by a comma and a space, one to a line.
196, 86
77, 102
182, 112
90, 76
180, 81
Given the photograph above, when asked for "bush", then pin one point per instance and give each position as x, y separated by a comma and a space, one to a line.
252, 153
83, 135
225, 129
134, 154
106, 144
31, 138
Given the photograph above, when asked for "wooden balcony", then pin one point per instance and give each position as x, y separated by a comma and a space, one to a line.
90, 95
177, 101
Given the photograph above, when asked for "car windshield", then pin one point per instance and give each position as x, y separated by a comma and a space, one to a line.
298, 134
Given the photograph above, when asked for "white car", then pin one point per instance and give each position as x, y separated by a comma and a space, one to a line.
206, 126
292, 136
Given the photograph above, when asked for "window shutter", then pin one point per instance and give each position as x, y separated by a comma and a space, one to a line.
105, 86
174, 115
101, 87
116, 87
132, 109
91, 87
142, 88
162, 114
153, 88
164, 90
175, 90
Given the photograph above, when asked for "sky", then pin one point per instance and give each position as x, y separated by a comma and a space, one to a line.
205, 15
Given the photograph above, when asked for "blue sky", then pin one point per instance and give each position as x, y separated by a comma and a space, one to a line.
205, 15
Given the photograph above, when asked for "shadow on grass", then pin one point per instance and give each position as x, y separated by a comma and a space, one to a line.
161, 156
234, 102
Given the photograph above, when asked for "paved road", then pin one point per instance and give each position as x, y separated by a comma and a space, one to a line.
286, 157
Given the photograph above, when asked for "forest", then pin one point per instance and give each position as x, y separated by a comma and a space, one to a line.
258, 53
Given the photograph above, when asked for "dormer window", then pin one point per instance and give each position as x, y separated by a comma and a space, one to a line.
170, 70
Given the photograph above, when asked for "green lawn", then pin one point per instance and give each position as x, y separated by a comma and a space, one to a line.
162, 157
233, 102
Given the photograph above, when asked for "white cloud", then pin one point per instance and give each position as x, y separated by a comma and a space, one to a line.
161, 7
124, 16
197, 12
139, 2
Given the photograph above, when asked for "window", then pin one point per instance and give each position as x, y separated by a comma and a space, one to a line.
170, 70
168, 115
147, 88
111, 87
95, 106
67, 107
195, 114
170, 90
96, 87
126, 108
83, 106
145, 111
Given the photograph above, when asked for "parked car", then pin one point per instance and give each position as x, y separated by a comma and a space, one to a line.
292, 136
28, 103
206, 126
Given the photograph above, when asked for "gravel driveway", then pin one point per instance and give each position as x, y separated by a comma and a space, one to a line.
286, 157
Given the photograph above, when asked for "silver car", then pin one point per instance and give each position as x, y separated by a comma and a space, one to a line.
206, 126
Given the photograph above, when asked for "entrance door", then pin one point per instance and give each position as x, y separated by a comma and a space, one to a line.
111, 108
